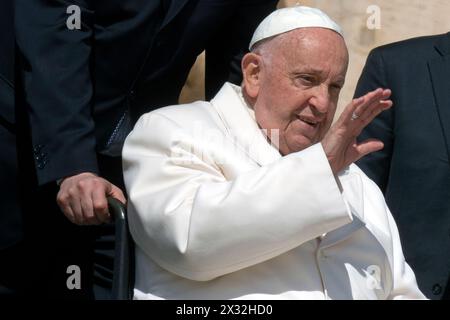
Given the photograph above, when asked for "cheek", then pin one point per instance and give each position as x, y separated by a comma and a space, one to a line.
297, 130
273, 114
326, 126
297, 138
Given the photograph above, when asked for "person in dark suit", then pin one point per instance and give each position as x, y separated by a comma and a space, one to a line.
10, 208
82, 86
413, 169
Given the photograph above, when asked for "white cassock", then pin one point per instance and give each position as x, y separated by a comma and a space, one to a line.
217, 213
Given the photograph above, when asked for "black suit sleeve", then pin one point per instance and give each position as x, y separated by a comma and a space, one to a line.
56, 78
376, 165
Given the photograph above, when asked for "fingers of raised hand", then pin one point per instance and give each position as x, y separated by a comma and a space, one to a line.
371, 104
368, 146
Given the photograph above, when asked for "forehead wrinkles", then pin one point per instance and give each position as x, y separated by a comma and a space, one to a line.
274, 49
292, 49
315, 48
309, 47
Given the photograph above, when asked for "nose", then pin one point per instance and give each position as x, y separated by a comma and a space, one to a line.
320, 99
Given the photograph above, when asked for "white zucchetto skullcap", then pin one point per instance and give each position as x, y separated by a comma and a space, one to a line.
291, 18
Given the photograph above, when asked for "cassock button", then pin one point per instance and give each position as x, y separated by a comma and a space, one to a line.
437, 289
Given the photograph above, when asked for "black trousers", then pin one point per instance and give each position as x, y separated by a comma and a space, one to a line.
45, 267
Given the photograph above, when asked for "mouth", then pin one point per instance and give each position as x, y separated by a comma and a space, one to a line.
310, 121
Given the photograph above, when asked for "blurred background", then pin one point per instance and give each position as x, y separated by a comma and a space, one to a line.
366, 24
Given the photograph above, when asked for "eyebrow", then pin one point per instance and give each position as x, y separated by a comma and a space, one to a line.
308, 70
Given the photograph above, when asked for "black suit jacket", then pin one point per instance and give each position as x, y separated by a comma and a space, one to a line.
413, 169
10, 208
84, 89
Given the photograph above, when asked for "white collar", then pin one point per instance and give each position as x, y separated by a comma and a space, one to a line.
239, 119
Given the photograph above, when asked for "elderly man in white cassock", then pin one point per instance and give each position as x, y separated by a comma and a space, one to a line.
253, 195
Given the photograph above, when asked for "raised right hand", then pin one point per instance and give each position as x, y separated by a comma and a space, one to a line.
340, 144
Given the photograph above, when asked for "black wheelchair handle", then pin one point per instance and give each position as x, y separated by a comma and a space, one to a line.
123, 256
116, 208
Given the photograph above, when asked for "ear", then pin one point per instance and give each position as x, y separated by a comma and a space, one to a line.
251, 71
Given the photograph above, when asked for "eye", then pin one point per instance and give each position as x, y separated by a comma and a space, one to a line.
306, 80
336, 87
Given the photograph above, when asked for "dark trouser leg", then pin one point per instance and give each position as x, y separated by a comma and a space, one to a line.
11, 271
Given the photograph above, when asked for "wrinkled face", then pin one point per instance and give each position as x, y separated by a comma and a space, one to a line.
298, 86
